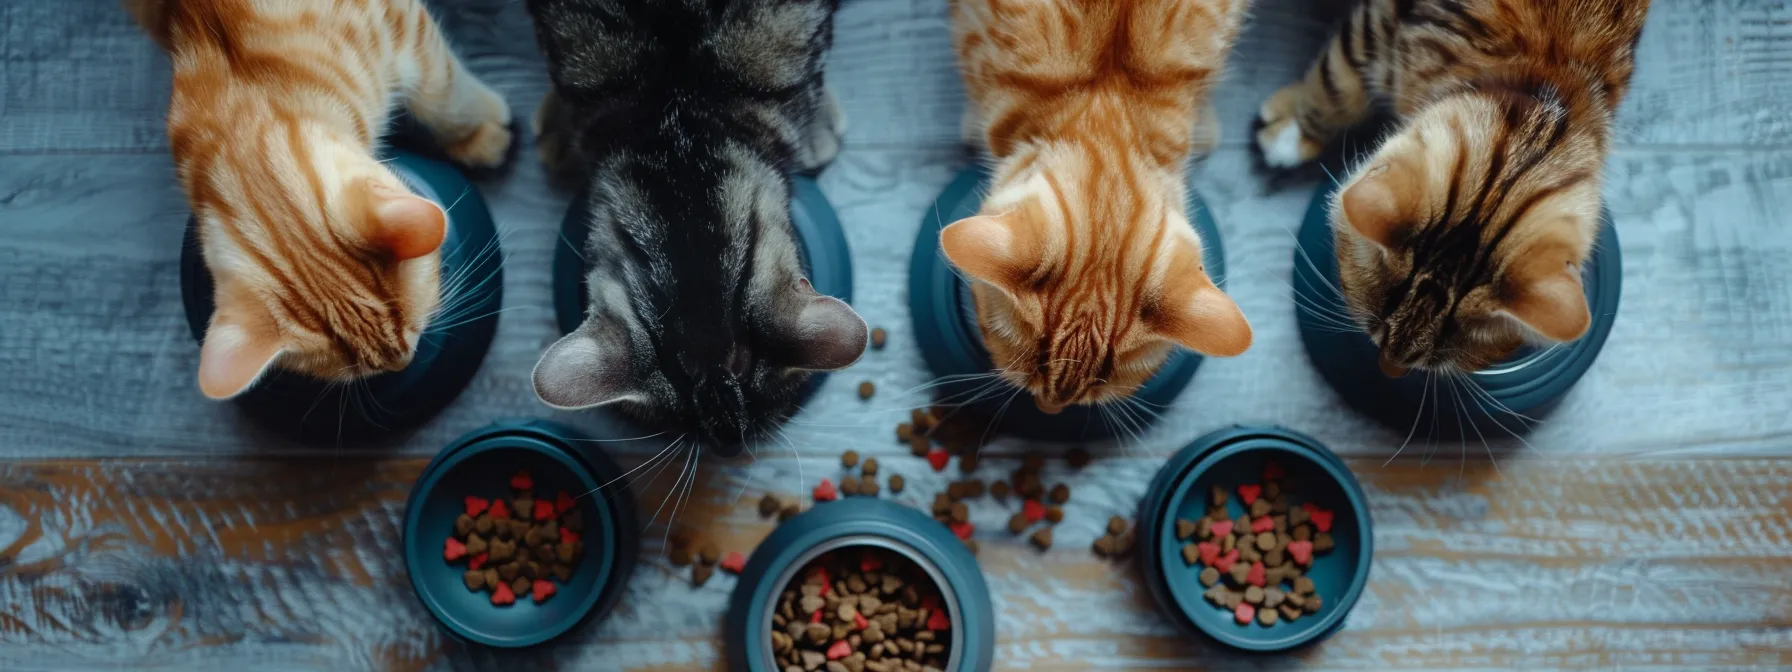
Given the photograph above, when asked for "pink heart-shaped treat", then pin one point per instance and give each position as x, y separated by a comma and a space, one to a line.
1262, 524
1221, 529
1210, 552
1322, 519
1250, 493
1302, 551
1258, 576
839, 650
1224, 563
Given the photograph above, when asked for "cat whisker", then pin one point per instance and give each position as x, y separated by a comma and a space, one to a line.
1475, 389
1429, 376
634, 438
1477, 427
690, 486
1003, 410
684, 468
638, 467
475, 318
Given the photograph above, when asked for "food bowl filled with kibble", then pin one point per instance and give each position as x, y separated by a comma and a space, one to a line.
447, 354
509, 540
1506, 397
864, 584
1259, 538
945, 322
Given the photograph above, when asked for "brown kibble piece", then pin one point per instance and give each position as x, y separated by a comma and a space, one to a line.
1289, 612
1275, 558
1266, 540
866, 390
1060, 493
1239, 572
475, 579
1273, 597
1253, 595
999, 490
1191, 555
1304, 586
1186, 529
1116, 525
520, 586
790, 511
1272, 490
973, 488
1017, 523
879, 337
1314, 601
1298, 517
1209, 576
1279, 504
919, 445
710, 554
1033, 461
509, 571
1103, 546
896, 483
961, 512
769, 505
491, 578
849, 459
563, 572
868, 486
1303, 533
869, 468
1042, 539
967, 463
476, 545
463, 526
849, 487
700, 574
1054, 514
1266, 616
1218, 498
1323, 542
1248, 553
1228, 542
1259, 508
905, 432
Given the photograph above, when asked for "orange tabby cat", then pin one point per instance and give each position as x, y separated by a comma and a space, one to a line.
1087, 271
324, 262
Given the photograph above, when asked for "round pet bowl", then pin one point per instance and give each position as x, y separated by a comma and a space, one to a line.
1233, 457
861, 523
945, 320
1517, 391
825, 256
480, 464
446, 359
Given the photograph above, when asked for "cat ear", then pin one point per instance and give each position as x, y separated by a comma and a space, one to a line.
405, 225
987, 248
1380, 203
827, 334
579, 371
232, 357
1542, 290
1195, 313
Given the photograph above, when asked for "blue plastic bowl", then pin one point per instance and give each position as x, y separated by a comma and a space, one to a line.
945, 320
480, 464
860, 522
446, 360
1526, 386
1233, 457
825, 256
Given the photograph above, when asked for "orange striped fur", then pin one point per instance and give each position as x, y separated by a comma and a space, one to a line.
1086, 270
324, 262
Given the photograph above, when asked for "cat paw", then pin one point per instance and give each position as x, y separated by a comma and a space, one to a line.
488, 144
1279, 136
825, 133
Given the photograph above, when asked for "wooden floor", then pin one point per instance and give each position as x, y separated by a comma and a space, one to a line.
1646, 525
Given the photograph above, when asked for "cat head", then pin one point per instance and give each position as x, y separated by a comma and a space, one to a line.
1463, 237
700, 317
1086, 281
323, 263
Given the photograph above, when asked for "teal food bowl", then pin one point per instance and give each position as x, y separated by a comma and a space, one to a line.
1237, 456
446, 357
945, 321
860, 522
480, 464
1513, 394
825, 256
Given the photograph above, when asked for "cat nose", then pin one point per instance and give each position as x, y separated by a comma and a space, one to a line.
1048, 407
1391, 367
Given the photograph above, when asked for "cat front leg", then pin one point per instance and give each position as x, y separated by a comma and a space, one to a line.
468, 118
1296, 122
821, 140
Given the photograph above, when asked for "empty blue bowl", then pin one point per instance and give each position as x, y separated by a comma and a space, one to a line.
480, 464
945, 319
860, 522
1518, 391
446, 359
1236, 456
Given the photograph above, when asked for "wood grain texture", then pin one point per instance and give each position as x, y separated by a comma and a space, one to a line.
1644, 525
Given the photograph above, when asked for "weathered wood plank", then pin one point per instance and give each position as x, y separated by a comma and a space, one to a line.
1546, 564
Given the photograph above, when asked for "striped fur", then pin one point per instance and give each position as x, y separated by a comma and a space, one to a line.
1086, 270
684, 119
1462, 237
324, 262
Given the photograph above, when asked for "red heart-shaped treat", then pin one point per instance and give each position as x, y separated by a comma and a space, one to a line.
839, 650
541, 590
568, 536
476, 561
562, 502
1309, 507
962, 530
1258, 575
816, 617
1301, 551
1033, 510
1244, 612
733, 562
827, 582
1250, 493
825, 492
932, 602
502, 595
499, 511
454, 550
859, 622
1262, 524
1224, 563
938, 621
477, 505
1210, 552
543, 509
1272, 471
522, 481
1322, 519
1221, 529
938, 459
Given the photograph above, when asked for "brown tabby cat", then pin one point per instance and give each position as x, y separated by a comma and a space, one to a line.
324, 262
1465, 232
1087, 272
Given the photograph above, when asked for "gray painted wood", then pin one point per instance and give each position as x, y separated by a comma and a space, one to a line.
1633, 499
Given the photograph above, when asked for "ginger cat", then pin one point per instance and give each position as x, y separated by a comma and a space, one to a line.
1086, 271
325, 263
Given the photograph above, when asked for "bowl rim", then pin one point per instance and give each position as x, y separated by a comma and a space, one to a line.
1171, 486
530, 437
948, 594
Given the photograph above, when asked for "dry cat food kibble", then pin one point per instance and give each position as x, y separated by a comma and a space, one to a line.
879, 337
864, 609
517, 547
867, 389
1255, 566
